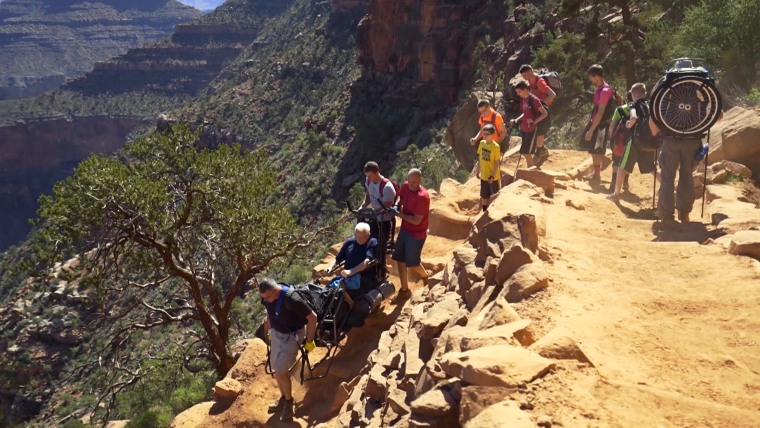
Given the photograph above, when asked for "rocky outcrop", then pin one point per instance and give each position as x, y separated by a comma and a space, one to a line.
46, 42
735, 138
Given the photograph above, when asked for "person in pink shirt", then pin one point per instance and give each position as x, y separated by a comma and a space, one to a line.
414, 210
595, 135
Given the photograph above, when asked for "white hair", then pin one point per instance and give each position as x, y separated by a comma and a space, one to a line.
362, 227
415, 171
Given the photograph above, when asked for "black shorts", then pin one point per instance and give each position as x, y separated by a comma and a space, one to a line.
488, 190
544, 125
635, 154
598, 143
528, 142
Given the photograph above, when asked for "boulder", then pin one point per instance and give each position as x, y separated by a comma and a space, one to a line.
448, 223
512, 260
465, 255
463, 126
499, 335
501, 365
745, 243
497, 313
540, 178
527, 280
227, 389
435, 402
558, 344
735, 137
437, 316
733, 168
497, 414
475, 399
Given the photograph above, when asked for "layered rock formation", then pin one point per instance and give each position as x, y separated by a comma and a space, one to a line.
44, 42
123, 93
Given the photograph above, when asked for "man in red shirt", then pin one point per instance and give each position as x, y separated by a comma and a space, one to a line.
413, 210
541, 90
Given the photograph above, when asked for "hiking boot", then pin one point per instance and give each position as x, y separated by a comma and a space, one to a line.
542, 155
287, 410
276, 406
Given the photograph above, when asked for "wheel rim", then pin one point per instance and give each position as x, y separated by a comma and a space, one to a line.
688, 106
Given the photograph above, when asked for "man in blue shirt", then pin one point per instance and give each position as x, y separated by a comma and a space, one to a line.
357, 253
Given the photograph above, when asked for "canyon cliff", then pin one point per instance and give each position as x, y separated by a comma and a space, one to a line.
43, 43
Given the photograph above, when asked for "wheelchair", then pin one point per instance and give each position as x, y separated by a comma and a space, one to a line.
338, 309
685, 102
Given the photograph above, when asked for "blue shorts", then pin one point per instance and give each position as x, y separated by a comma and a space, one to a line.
408, 249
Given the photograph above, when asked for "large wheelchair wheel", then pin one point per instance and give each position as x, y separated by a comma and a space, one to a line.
687, 106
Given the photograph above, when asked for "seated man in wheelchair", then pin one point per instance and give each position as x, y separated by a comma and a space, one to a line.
359, 258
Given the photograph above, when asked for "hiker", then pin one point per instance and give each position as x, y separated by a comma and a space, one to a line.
676, 155
489, 161
619, 136
380, 194
413, 210
533, 116
595, 133
640, 147
489, 116
357, 253
541, 89
287, 314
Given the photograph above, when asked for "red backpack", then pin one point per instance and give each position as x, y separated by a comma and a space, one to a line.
383, 182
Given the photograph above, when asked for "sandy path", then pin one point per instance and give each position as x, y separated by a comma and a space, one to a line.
671, 325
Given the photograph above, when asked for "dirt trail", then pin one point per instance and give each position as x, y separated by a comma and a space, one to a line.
671, 326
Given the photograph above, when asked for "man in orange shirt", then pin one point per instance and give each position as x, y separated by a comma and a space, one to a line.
489, 116
546, 94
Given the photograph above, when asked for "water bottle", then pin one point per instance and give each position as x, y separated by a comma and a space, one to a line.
702, 152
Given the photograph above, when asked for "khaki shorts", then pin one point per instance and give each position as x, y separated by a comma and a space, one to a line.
284, 351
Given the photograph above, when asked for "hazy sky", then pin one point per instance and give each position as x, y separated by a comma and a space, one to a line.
202, 4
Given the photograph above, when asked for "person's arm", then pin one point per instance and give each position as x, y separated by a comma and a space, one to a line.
476, 139
631, 122
356, 269
267, 324
416, 217
543, 115
517, 120
367, 201
546, 89
389, 195
653, 127
311, 326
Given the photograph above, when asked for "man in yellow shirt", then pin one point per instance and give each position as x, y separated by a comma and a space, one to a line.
489, 158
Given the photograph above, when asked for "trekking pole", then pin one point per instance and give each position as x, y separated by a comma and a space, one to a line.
654, 185
704, 179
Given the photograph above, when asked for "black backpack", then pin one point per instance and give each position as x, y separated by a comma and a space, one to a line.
552, 79
642, 135
615, 101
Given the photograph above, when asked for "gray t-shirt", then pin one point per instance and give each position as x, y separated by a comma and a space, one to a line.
389, 195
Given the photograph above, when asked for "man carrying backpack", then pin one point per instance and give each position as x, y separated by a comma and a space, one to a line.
595, 135
287, 314
533, 115
381, 193
489, 116
642, 146
540, 88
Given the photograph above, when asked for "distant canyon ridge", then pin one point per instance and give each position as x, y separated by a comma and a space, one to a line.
45, 42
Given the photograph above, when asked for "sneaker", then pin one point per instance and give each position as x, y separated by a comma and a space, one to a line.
276, 406
613, 197
287, 411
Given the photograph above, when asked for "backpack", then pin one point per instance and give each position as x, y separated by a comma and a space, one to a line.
552, 79
642, 134
615, 101
533, 110
620, 134
383, 182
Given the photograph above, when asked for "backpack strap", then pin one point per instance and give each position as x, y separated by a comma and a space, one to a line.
383, 182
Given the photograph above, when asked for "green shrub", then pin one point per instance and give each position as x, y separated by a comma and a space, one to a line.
156, 417
753, 98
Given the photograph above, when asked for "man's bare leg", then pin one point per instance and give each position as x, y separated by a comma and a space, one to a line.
285, 384
403, 276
